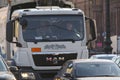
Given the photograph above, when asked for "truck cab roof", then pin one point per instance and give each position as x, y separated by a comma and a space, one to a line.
47, 11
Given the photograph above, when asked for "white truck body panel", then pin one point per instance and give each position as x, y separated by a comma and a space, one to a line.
23, 56
115, 44
118, 44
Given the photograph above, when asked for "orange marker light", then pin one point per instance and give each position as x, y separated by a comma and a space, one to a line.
36, 49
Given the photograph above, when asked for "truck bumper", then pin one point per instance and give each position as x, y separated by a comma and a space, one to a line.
30, 74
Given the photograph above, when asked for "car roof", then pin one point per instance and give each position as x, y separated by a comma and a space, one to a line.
99, 55
91, 60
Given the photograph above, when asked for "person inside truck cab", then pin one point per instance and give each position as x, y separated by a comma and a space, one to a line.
69, 27
70, 31
44, 30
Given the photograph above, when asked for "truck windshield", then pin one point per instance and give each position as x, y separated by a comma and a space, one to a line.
53, 28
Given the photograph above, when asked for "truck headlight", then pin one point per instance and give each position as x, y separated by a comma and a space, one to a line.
28, 75
57, 78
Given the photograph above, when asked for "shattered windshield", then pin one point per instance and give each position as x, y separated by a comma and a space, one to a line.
53, 28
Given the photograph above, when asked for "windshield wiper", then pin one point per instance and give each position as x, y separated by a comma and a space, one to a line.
68, 40
45, 40
105, 76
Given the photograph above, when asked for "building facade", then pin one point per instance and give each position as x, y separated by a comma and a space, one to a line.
96, 9
115, 17
3, 3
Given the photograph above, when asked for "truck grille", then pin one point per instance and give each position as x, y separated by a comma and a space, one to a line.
51, 59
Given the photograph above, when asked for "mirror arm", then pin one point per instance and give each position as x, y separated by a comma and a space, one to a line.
18, 44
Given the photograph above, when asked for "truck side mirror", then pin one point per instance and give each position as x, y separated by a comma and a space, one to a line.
9, 31
91, 28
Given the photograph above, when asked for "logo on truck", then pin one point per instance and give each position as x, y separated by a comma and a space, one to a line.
54, 46
54, 60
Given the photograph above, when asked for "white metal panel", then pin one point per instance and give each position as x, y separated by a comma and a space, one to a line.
118, 44
114, 43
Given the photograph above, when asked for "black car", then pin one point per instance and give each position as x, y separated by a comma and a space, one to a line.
89, 69
5, 73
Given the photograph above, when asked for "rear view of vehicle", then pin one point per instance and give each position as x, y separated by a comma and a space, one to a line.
89, 69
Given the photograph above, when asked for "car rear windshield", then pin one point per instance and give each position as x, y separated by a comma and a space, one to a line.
97, 69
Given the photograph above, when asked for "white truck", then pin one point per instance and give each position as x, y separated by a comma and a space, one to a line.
39, 53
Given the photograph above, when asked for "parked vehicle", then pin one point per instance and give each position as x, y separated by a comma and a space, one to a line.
89, 69
34, 50
5, 73
103, 56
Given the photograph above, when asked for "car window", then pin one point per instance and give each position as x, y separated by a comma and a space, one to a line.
117, 61
96, 69
2, 66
